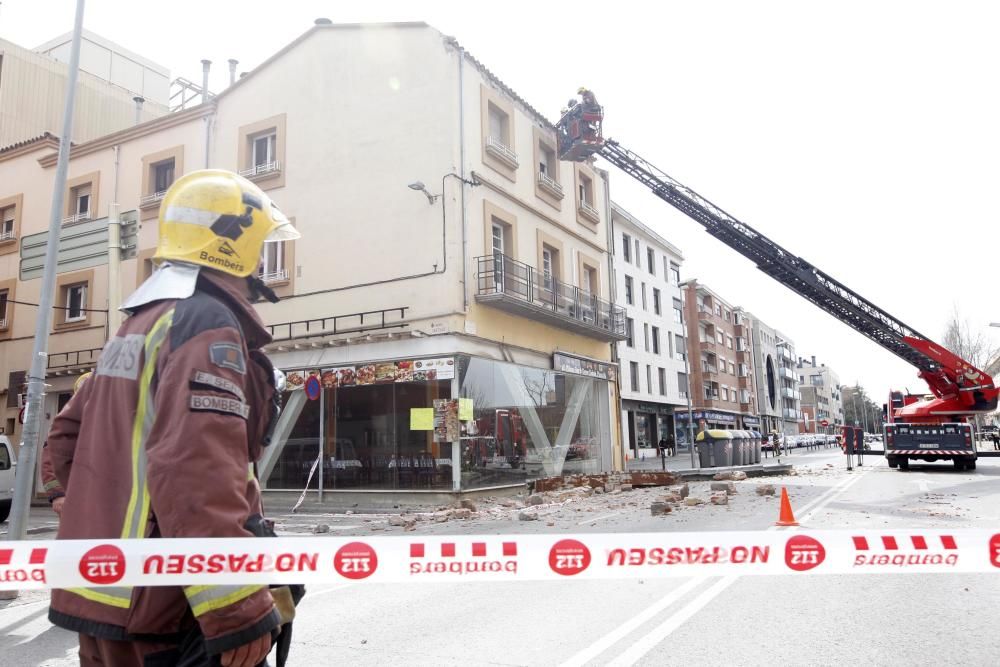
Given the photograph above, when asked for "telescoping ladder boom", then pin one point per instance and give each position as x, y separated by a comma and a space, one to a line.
958, 386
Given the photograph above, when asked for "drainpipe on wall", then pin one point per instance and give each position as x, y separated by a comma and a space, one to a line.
461, 170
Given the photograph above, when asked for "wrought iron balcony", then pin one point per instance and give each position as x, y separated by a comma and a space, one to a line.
518, 288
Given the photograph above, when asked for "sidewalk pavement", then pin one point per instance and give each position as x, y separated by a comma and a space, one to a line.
680, 463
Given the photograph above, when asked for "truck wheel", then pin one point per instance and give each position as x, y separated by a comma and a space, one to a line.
970, 465
904, 464
893, 463
4, 509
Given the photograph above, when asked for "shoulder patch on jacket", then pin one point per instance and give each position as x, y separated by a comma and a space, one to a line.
228, 355
210, 403
198, 313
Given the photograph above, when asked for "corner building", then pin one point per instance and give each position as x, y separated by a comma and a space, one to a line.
446, 252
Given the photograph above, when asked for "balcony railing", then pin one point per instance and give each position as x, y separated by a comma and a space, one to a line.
709, 369
501, 151
79, 217
353, 323
146, 201
3, 323
550, 185
788, 374
279, 276
708, 345
8, 235
588, 211
790, 414
523, 290
261, 170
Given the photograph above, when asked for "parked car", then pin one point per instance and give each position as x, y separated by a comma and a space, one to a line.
7, 464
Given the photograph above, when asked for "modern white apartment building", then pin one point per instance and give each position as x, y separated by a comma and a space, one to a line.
647, 284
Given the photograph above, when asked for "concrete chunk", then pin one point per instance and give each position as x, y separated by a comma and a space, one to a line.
723, 476
660, 509
728, 487
691, 501
739, 475
527, 515
535, 499
720, 499
765, 489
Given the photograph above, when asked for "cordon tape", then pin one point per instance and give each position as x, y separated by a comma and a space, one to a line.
478, 558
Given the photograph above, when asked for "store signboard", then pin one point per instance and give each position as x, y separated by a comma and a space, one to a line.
707, 415
384, 372
751, 421
580, 366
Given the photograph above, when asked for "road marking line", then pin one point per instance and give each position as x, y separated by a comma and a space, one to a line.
619, 633
595, 519
310, 594
649, 641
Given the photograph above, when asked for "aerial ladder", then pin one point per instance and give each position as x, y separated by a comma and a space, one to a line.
928, 429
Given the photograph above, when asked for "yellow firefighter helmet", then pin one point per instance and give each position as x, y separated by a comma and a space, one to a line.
80, 380
217, 219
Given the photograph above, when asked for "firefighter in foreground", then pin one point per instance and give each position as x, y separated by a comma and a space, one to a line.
161, 440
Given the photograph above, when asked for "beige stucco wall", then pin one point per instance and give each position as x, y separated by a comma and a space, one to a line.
379, 109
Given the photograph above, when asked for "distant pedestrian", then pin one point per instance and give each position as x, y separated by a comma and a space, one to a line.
995, 436
662, 445
671, 445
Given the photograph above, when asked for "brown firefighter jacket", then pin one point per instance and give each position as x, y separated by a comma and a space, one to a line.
160, 442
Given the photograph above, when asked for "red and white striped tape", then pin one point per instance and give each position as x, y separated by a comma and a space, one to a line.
186, 562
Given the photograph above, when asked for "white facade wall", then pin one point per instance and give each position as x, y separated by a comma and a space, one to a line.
643, 315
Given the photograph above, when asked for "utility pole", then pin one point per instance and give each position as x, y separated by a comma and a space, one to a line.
25, 476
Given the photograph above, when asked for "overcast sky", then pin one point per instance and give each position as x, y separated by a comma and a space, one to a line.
862, 136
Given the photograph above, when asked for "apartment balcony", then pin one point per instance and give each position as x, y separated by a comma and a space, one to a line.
496, 148
151, 200
520, 289
710, 402
788, 413
785, 353
74, 361
261, 171
550, 185
788, 392
76, 219
706, 316
708, 346
744, 357
8, 235
279, 276
788, 374
589, 212
709, 371
745, 382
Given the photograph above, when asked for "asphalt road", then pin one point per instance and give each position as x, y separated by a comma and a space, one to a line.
817, 620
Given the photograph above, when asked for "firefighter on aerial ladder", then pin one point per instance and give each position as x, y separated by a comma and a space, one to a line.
162, 439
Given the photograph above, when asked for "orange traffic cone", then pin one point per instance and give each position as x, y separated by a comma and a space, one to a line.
785, 517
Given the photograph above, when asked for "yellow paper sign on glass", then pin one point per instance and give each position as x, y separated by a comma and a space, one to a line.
465, 409
421, 419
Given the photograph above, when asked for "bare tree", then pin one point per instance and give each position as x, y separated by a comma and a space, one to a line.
973, 346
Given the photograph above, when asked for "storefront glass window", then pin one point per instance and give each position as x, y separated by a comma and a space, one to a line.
531, 423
